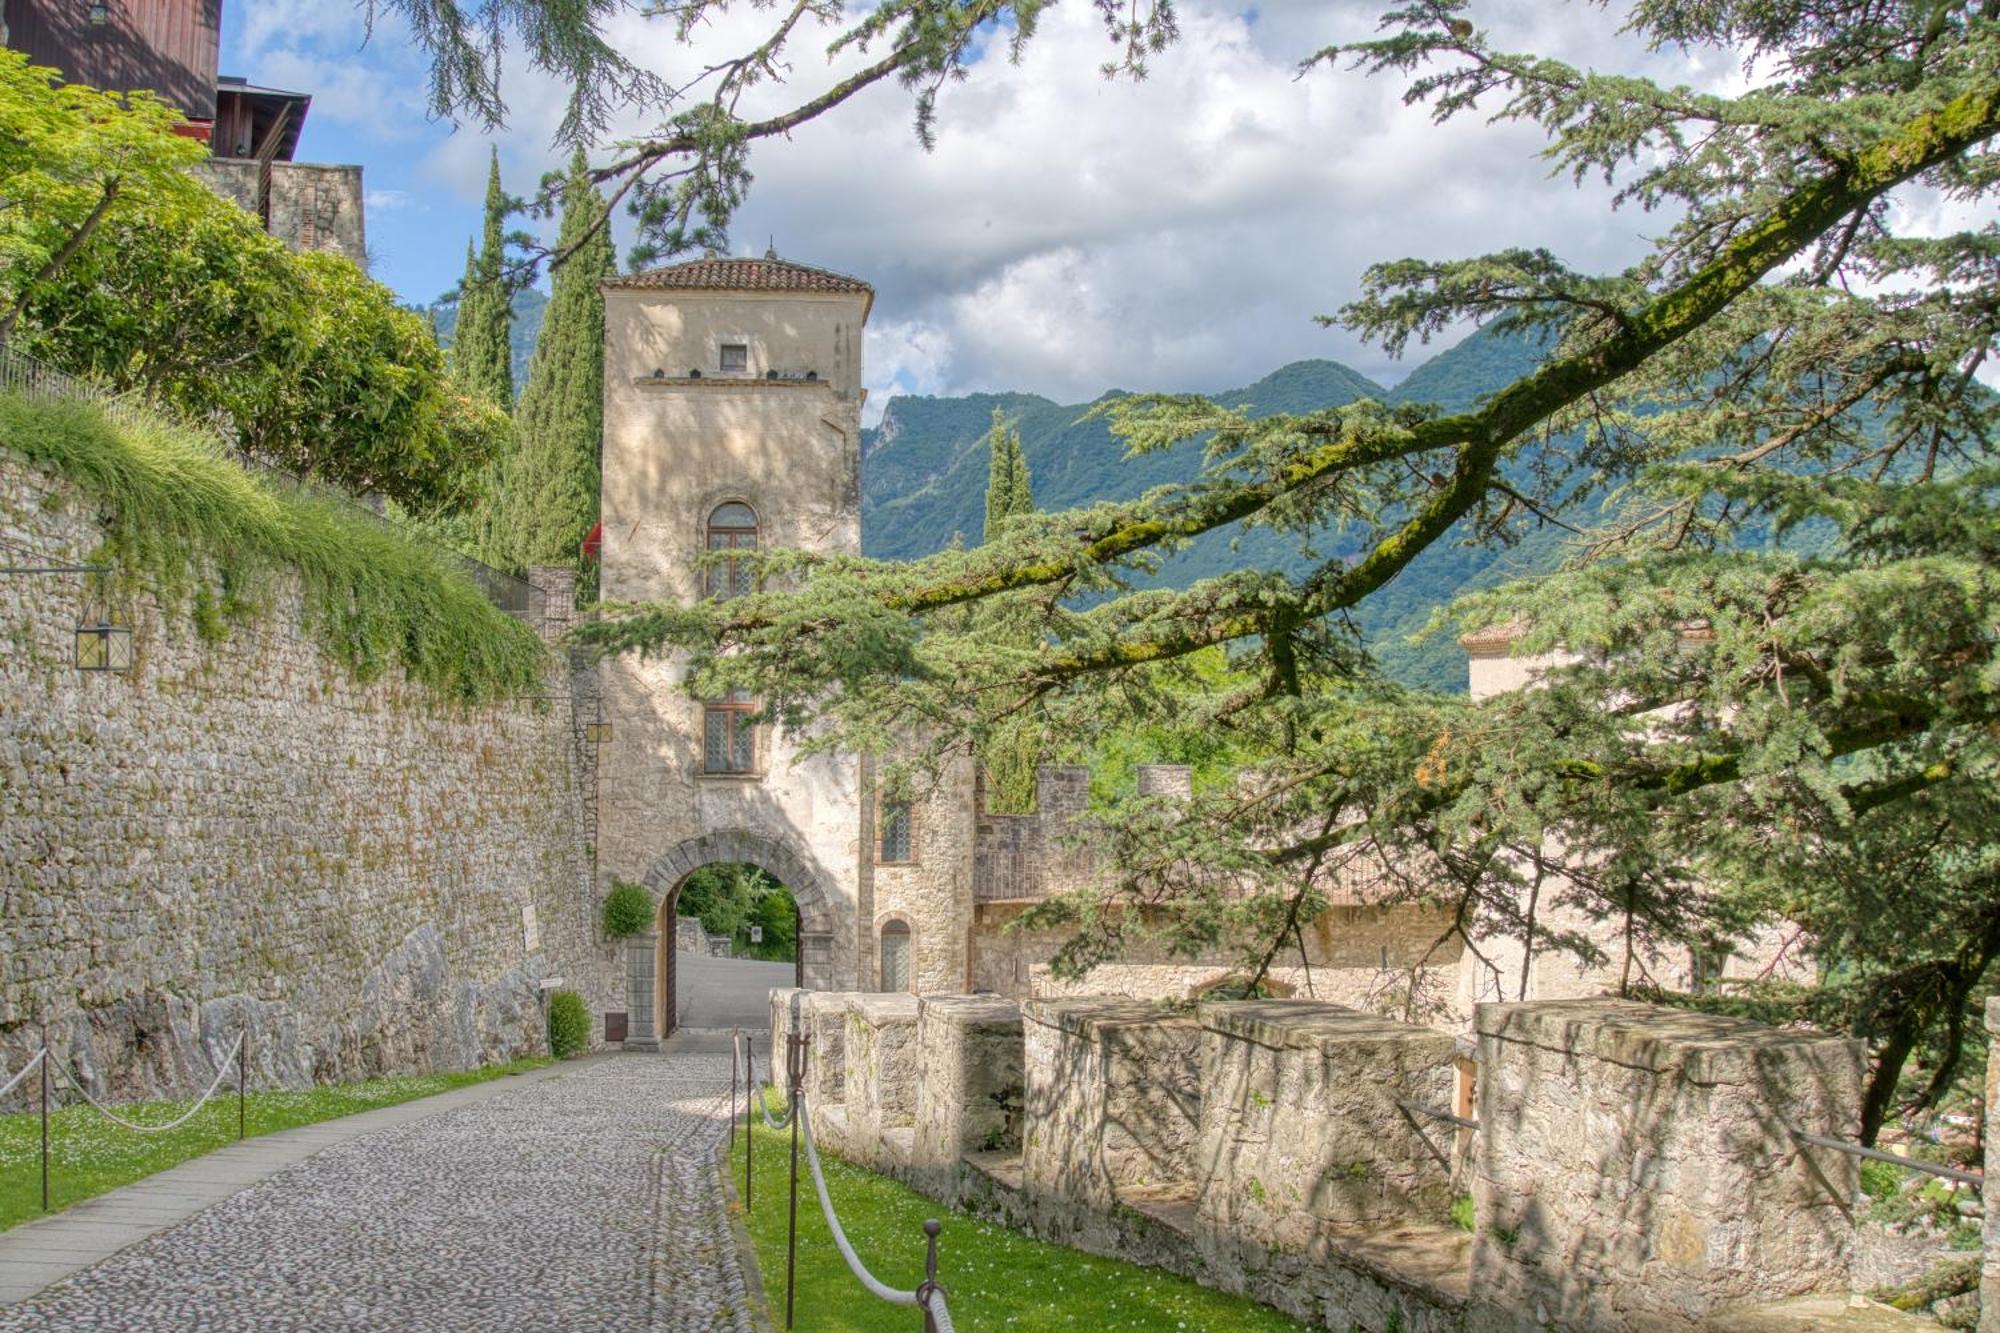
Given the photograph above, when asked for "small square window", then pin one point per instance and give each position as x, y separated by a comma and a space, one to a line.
736, 358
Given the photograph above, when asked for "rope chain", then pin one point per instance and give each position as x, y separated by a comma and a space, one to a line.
116, 1119
931, 1299
26, 1070
750, 1078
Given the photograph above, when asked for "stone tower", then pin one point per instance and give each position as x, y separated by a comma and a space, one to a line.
732, 419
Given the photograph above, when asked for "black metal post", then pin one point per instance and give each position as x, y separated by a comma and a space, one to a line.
735, 1061
45, 1117
795, 1067
929, 1285
242, 1085
749, 1135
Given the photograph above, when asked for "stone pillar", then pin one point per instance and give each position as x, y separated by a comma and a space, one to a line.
1635, 1170
971, 1097
1989, 1280
1302, 1130
823, 1015
555, 593
642, 1032
881, 1079
1113, 1100
785, 1004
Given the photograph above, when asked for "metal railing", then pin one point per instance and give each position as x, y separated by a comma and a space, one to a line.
1973, 1178
927, 1295
36, 380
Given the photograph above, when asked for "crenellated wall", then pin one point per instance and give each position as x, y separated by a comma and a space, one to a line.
238, 833
1634, 1167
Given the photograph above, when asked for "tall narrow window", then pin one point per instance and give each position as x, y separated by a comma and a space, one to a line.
729, 742
732, 527
893, 843
895, 956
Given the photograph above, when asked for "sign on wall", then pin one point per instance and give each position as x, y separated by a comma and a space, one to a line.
531, 930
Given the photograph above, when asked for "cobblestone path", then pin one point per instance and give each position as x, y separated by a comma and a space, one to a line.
585, 1202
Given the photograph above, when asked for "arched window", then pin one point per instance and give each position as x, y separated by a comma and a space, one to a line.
732, 527
895, 955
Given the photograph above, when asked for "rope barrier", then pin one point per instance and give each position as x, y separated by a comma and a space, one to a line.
26, 1070
929, 1298
763, 1089
136, 1128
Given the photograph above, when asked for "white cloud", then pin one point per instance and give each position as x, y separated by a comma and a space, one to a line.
385, 201
1069, 235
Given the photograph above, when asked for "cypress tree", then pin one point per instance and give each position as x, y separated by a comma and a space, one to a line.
482, 355
548, 490
1008, 489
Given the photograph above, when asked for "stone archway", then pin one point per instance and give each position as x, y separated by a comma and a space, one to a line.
650, 957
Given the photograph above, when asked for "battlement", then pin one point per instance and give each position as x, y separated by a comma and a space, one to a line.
1026, 858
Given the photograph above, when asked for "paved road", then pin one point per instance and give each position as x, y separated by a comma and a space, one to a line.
588, 1201
726, 992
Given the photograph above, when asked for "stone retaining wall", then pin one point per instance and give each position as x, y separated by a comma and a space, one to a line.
881, 1078
238, 833
970, 1090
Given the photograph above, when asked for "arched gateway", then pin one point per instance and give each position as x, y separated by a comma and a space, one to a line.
650, 956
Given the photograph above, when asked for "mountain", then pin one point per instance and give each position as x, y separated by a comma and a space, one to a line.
924, 483
529, 304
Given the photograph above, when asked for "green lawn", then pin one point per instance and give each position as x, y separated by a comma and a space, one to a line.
998, 1279
89, 1155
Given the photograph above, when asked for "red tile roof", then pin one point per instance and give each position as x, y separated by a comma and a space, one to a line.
769, 274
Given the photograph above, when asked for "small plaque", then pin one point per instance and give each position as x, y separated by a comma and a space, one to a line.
756, 934
531, 930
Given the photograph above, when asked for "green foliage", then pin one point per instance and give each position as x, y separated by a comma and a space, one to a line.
546, 496
1879, 1180
1462, 1215
729, 897
182, 518
524, 329
997, 1278
481, 355
1009, 491
92, 1156
120, 265
628, 909
569, 1024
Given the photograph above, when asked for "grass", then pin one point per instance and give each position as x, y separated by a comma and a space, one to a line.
89, 1155
998, 1280
207, 535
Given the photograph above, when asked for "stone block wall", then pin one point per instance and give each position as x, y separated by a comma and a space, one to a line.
970, 1090
239, 833
1302, 1127
1113, 1100
1635, 1170
315, 206
881, 1082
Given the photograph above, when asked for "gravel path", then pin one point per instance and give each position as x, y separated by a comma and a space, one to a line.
586, 1202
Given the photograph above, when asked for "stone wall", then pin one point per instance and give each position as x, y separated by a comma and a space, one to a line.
970, 1090
313, 206
238, 833
881, 1080
932, 892
1635, 1170
1989, 1285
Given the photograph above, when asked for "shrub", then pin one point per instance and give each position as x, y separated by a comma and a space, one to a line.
1461, 1213
628, 909
569, 1024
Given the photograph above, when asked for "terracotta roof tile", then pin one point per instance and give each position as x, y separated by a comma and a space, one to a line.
739, 275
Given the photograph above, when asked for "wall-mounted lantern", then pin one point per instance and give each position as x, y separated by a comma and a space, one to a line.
103, 646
